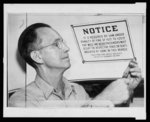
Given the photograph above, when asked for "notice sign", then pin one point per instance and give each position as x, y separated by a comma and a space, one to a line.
104, 41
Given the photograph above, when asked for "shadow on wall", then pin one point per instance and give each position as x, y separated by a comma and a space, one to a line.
21, 62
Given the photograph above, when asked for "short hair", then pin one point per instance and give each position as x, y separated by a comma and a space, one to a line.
27, 40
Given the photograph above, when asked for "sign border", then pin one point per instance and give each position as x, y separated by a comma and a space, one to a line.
83, 61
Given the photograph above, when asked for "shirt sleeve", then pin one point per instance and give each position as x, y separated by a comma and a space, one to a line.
81, 93
16, 101
19, 100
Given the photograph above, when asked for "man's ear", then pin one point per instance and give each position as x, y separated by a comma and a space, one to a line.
36, 57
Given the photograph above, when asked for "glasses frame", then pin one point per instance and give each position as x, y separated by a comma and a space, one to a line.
59, 44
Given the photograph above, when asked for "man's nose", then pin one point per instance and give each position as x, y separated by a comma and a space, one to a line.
65, 47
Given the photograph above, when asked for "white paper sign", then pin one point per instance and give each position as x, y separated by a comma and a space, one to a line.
104, 41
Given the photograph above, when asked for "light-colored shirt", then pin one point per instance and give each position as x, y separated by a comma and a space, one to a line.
41, 94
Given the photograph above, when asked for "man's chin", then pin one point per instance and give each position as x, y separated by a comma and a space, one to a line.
66, 67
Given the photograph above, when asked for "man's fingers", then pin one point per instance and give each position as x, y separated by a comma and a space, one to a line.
126, 72
137, 74
133, 71
133, 64
136, 69
133, 82
134, 61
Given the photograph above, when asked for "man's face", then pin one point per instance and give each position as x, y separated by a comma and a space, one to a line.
53, 50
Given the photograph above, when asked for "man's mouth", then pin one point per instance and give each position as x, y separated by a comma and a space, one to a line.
67, 57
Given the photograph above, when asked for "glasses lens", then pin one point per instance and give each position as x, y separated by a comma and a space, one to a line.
58, 44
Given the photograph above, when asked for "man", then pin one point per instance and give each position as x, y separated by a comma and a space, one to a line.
44, 49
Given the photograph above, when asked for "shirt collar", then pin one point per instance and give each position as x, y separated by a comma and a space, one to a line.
44, 86
69, 88
48, 89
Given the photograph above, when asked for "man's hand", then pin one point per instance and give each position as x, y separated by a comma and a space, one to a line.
133, 73
119, 91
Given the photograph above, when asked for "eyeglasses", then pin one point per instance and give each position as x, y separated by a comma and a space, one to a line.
58, 43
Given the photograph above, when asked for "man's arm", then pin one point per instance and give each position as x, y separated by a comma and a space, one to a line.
119, 91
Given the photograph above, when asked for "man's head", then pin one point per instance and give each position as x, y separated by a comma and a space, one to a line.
40, 44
